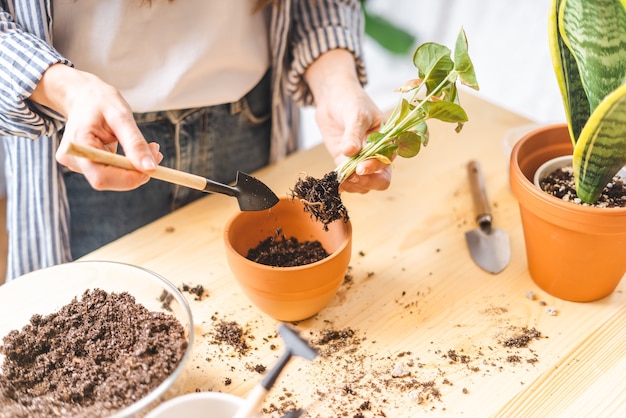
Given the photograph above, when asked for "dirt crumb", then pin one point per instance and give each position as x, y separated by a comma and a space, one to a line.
232, 334
197, 290
522, 337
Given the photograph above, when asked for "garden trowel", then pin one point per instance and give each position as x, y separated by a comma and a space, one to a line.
251, 193
488, 246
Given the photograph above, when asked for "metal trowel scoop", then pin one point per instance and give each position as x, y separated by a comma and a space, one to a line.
488, 246
251, 194
294, 346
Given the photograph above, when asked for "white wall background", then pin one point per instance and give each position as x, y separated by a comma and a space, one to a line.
508, 44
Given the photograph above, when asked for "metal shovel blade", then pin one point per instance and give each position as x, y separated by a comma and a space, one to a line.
489, 247
489, 250
251, 193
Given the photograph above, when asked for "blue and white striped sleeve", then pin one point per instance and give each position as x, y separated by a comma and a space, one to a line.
23, 59
319, 26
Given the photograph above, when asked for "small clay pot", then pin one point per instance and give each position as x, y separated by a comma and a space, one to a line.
288, 293
574, 252
554, 164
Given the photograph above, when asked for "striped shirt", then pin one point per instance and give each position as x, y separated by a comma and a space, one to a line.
37, 206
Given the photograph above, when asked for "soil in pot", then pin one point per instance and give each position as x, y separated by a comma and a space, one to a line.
94, 356
320, 198
560, 183
280, 251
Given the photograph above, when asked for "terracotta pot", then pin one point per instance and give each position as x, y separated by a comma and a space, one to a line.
288, 293
574, 252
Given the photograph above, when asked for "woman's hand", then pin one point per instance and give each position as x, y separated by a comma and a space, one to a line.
97, 116
345, 115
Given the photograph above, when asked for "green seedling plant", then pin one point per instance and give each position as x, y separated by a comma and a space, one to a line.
433, 95
588, 48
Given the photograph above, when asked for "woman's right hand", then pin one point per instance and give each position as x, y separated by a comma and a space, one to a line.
97, 116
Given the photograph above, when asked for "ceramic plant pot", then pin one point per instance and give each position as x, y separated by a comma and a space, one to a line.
574, 252
287, 293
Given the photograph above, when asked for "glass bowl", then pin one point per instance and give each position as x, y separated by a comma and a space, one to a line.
47, 290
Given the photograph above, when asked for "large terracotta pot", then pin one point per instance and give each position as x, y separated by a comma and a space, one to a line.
288, 293
574, 252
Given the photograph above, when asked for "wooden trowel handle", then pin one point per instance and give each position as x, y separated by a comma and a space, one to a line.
479, 192
161, 173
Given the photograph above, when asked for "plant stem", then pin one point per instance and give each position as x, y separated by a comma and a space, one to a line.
416, 116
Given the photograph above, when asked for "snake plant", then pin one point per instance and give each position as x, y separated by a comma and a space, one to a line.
588, 49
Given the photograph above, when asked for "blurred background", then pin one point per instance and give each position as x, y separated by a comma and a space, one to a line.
508, 44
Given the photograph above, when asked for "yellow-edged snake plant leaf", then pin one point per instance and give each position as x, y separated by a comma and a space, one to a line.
574, 97
601, 148
588, 46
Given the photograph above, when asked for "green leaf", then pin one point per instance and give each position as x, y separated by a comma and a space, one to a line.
462, 62
601, 149
399, 113
387, 151
434, 64
595, 33
445, 111
588, 47
409, 144
574, 97
375, 137
422, 131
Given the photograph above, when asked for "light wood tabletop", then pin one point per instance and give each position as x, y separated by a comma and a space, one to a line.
417, 328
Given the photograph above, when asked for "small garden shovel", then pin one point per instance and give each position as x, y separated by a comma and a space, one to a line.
251, 194
488, 246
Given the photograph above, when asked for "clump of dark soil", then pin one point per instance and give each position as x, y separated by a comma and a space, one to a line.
561, 184
231, 333
331, 341
280, 251
93, 357
197, 290
321, 198
522, 338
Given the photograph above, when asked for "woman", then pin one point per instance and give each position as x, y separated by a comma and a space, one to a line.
197, 78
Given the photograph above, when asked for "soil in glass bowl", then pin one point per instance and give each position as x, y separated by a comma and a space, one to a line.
91, 358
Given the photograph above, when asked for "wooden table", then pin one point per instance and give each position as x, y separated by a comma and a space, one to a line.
416, 304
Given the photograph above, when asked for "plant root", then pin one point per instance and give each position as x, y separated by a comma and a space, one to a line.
321, 198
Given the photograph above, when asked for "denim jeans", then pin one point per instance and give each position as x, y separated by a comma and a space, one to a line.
213, 142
